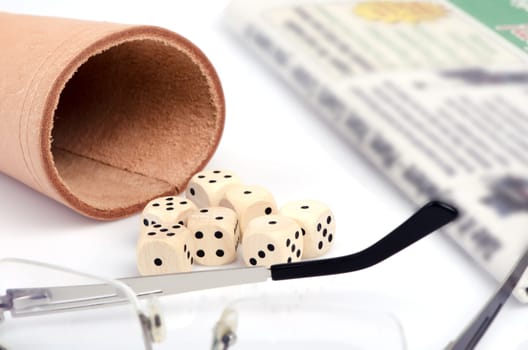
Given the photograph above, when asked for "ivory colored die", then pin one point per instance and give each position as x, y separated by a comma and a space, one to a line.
272, 239
249, 202
317, 222
207, 188
215, 234
163, 250
167, 211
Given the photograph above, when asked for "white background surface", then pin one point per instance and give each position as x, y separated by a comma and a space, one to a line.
273, 140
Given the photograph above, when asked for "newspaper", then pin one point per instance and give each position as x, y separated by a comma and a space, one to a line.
434, 93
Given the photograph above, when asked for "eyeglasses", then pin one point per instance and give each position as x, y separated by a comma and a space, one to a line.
46, 301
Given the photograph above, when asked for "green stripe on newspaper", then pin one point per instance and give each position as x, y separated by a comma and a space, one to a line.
509, 18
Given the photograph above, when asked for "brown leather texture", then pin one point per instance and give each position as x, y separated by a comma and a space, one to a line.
104, 117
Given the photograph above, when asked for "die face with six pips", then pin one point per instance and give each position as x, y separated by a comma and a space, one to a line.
207, 188
272, 239
167, 211
317, 223
215, 234
164, 249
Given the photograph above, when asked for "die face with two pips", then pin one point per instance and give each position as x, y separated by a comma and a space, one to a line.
249, 202
215, 234
207, 188
270, 240
164, 249
317, 223
167, 211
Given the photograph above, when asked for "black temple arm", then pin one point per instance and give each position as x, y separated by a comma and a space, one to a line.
429, 218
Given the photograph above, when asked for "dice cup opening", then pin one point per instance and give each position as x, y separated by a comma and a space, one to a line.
132, 118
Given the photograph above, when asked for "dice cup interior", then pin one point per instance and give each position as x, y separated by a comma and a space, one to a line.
103, 117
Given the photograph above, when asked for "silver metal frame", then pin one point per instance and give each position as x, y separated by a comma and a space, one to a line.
39, 301
34, 301
476, 329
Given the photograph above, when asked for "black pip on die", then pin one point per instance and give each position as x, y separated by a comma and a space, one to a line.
167, 211
215, 234
165, 249
207, 188
270, 240
249, 202
317, 223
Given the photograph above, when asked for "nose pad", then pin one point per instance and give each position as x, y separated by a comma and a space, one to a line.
225, 330
157, 327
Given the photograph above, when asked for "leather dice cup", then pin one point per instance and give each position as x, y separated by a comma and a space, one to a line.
104, 117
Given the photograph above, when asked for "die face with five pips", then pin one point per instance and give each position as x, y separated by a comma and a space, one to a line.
317, 223
167, 211
215, 234
207, 188
249, 202
164, 249
272, 239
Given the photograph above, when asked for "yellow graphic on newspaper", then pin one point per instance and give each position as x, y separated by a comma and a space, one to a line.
400, 12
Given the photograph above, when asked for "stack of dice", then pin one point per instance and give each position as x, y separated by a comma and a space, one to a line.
218, 215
